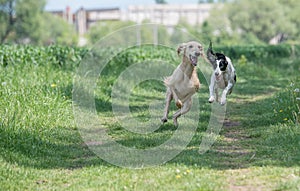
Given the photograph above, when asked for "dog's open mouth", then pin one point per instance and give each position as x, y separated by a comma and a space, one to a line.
194, 60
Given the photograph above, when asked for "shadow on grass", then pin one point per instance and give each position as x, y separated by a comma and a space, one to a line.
267, 142
276, 146
62, 149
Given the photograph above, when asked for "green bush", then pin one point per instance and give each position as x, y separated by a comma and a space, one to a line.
287, 103
61, 56
70, 57
254, 52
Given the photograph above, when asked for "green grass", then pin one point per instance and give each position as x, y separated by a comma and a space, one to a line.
257, 149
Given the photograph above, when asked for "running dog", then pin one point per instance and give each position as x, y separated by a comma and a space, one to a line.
184, 81
223, 77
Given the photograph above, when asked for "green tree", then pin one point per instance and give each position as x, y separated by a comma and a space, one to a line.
293, 15
150, 32
21, 20
245, 21
264, 19
104, 28
182, 32
160, 2
56, 30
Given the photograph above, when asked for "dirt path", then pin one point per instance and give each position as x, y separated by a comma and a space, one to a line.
239, 156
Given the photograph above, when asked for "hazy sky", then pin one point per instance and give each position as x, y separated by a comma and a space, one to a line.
76, 4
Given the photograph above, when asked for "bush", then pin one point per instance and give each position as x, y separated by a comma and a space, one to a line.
254, 52
61, 56
287, 103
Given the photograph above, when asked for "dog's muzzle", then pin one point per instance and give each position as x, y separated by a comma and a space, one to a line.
194, 60
218, 76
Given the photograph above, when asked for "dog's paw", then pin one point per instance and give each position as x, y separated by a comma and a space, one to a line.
197, 87
223, 101
179, 104
211, 99
163, 120
175, 122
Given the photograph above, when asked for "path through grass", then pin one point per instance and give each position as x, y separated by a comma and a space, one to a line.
41, 148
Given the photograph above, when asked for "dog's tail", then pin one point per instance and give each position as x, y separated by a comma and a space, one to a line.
210, 54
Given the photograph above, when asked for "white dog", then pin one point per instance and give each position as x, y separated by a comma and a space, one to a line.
184, 81
223, 77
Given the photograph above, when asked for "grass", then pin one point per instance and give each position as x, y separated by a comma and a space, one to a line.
41, 148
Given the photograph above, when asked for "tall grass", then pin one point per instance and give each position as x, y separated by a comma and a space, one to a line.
40, 147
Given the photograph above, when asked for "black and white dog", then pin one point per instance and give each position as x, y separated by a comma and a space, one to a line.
223, 77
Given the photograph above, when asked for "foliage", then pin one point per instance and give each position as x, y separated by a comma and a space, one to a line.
287, 103
104, 28
25, 22
140, 34
262, 18
21, 20
57, 31
161, 1
242, 21
254, 52
58, 56
41, 149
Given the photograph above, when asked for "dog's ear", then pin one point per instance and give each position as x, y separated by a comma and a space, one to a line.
181, 48
210, 54
220, 56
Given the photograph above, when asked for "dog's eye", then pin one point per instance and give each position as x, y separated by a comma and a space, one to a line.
191, 46
222, 66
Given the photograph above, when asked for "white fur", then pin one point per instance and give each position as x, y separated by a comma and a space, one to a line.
222, 80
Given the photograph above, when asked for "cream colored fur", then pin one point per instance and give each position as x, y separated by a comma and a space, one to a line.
184, 82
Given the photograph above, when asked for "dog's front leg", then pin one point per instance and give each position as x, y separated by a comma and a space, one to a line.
186, 107
166, 110
225, 92
177, 100
211, 89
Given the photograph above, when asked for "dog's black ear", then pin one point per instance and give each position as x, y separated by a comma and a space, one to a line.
220, 56
181, 48
210, 54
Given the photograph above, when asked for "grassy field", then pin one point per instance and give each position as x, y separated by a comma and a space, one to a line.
257, 149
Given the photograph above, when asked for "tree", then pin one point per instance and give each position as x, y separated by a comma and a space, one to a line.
245, 21
104, 28
57, 30
182, 32
160, 2
21, 20
264, 19
24, 21
293, 14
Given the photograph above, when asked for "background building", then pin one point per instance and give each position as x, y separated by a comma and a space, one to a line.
166, 14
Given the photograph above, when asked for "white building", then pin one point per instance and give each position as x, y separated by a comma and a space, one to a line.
166, 14
169, 14
85, 18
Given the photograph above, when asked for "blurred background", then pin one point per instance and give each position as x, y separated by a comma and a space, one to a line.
84, 22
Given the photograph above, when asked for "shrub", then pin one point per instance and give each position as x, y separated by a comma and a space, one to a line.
287, 103
254, 52
61, 56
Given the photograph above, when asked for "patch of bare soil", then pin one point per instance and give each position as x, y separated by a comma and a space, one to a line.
237, 155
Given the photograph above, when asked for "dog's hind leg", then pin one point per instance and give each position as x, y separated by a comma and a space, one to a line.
166, 110
186, 107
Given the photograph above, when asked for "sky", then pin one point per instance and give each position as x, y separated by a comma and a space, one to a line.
88, 4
